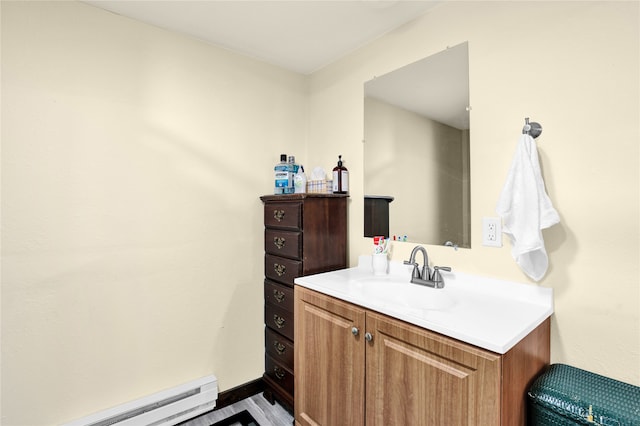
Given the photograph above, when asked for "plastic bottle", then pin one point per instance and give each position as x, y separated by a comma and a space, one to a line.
293, 165
340, 178
292, 168
282, 176
300, 181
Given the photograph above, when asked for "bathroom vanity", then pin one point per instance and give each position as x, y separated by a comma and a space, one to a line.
304, 234
381, 351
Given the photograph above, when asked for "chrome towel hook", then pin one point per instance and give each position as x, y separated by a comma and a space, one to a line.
533, 129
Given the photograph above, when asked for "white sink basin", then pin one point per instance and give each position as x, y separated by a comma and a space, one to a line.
396, 290
488, 313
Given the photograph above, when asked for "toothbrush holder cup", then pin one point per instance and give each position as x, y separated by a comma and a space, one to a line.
379, 263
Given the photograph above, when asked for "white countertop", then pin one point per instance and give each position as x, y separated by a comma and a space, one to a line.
488, 313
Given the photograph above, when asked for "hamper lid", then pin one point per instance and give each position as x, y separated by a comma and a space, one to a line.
579, 394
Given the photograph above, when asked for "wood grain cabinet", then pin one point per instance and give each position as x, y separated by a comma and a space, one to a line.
358, 367
304, 234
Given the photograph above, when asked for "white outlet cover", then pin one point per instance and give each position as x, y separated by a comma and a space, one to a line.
492, 232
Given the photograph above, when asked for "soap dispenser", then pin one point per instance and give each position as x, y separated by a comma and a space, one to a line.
340, 178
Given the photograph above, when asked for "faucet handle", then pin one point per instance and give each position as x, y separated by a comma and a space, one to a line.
437, 277
415, 273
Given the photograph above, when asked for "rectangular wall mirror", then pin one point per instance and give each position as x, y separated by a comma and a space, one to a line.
416, 150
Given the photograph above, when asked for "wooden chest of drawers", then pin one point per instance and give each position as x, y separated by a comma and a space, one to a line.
304, 234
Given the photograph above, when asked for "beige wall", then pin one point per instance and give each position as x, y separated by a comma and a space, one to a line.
573, 67
133, 158
132, 237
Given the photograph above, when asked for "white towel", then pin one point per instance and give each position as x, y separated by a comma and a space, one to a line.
526, 210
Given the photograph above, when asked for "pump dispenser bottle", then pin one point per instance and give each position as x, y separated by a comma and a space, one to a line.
340, 178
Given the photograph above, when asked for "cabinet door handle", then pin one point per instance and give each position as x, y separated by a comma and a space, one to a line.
355, 331
368, 337
279, 242
279, 372
278, 215
278, 295
279, 269
278, 320
279, 347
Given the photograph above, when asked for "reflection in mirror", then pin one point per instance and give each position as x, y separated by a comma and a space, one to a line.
416, 132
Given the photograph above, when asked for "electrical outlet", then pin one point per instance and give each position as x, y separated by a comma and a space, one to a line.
491, 232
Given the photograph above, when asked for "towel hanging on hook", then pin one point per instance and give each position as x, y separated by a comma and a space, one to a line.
525, 206
533, 129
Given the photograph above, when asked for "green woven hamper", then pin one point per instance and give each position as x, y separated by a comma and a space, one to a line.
566, 396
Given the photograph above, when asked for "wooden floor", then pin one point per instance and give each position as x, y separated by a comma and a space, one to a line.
261, 410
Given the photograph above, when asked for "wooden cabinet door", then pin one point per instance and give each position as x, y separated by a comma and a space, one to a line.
330, 359
416, 377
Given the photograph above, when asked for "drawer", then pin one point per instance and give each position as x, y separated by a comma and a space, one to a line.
283, 243
279, 319
279, 348
278, 295
279, 373
283, 215
282, 269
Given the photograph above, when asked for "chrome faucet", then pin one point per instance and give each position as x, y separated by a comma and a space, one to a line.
424, 276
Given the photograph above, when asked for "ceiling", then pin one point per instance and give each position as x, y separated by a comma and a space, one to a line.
299, 35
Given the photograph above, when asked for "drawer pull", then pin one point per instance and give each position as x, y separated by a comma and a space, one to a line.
278, 295
279, 372
278, 215
280, 348
279, 269
278, 320
279, 242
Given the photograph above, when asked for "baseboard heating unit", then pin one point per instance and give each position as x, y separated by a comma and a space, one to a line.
165, 408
